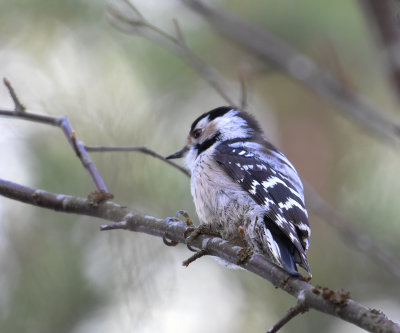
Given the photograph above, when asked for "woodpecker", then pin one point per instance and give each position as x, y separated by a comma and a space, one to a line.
245, 189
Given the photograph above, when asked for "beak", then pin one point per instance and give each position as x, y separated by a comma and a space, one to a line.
178, 154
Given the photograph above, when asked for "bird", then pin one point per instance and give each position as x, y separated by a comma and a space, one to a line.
245, 189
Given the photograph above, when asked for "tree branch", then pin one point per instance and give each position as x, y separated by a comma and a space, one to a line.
125, 16
62, 122
322, 299
284, 55
301, 68
18, 107
141, 149
317, 204
299, 308
349, 231
337, 304
347, 228
384, 17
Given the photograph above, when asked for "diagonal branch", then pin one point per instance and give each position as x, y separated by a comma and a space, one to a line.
62, 122
299, 308
384, 19
321, 299
18, 107
302, 69
126, 17
335, 303
140, 149
347, 229
272, 48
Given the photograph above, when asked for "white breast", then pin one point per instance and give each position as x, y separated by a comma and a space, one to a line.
219, 201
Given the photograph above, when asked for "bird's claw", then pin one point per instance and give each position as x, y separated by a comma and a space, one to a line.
244, 254
183, 214
168, 242
171, 219
192, 233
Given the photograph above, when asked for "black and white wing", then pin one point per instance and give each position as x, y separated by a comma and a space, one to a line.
270, 188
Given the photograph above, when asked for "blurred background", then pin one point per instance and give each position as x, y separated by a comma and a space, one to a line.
58, 273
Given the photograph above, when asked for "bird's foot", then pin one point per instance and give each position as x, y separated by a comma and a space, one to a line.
192, 233
244, 255
195, 256
182, 215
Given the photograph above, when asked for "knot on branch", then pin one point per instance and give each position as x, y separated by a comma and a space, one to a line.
97, 197
37, 196
337, 298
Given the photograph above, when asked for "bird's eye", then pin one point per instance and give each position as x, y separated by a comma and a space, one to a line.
197, 133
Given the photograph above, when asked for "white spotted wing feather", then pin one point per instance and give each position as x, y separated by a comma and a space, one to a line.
270, 188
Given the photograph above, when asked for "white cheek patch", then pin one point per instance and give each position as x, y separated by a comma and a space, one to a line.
233, 127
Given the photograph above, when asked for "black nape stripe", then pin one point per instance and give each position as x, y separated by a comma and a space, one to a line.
219, 112
215, 113
208, 143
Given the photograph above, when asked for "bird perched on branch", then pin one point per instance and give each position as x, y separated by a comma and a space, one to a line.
245, 189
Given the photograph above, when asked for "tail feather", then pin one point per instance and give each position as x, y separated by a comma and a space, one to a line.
288, 251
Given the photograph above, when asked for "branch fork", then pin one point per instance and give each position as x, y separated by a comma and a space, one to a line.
299, 308
20, 112
337, 304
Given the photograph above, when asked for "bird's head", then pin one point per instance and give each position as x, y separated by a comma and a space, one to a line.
221, 124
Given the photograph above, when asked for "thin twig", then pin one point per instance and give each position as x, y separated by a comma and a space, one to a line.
138, 24
337, 304
243, 92
194, 257
135, 10
351, 233
141, 149
179, 33
61, 122
381, 256
19, 108
383, 17
303, 69
299, 308
347, 229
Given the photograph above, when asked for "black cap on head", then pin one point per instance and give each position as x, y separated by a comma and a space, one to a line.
215, 113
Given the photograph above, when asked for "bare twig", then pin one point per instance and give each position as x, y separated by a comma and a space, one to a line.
245, 74
299, 308
349, 231
194, 257
302, 69
321, 299
346, 92
315, 202
133, 22
17, 104
243, 92
62, 122
141, 149
384, 16
179, 33
126, 219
